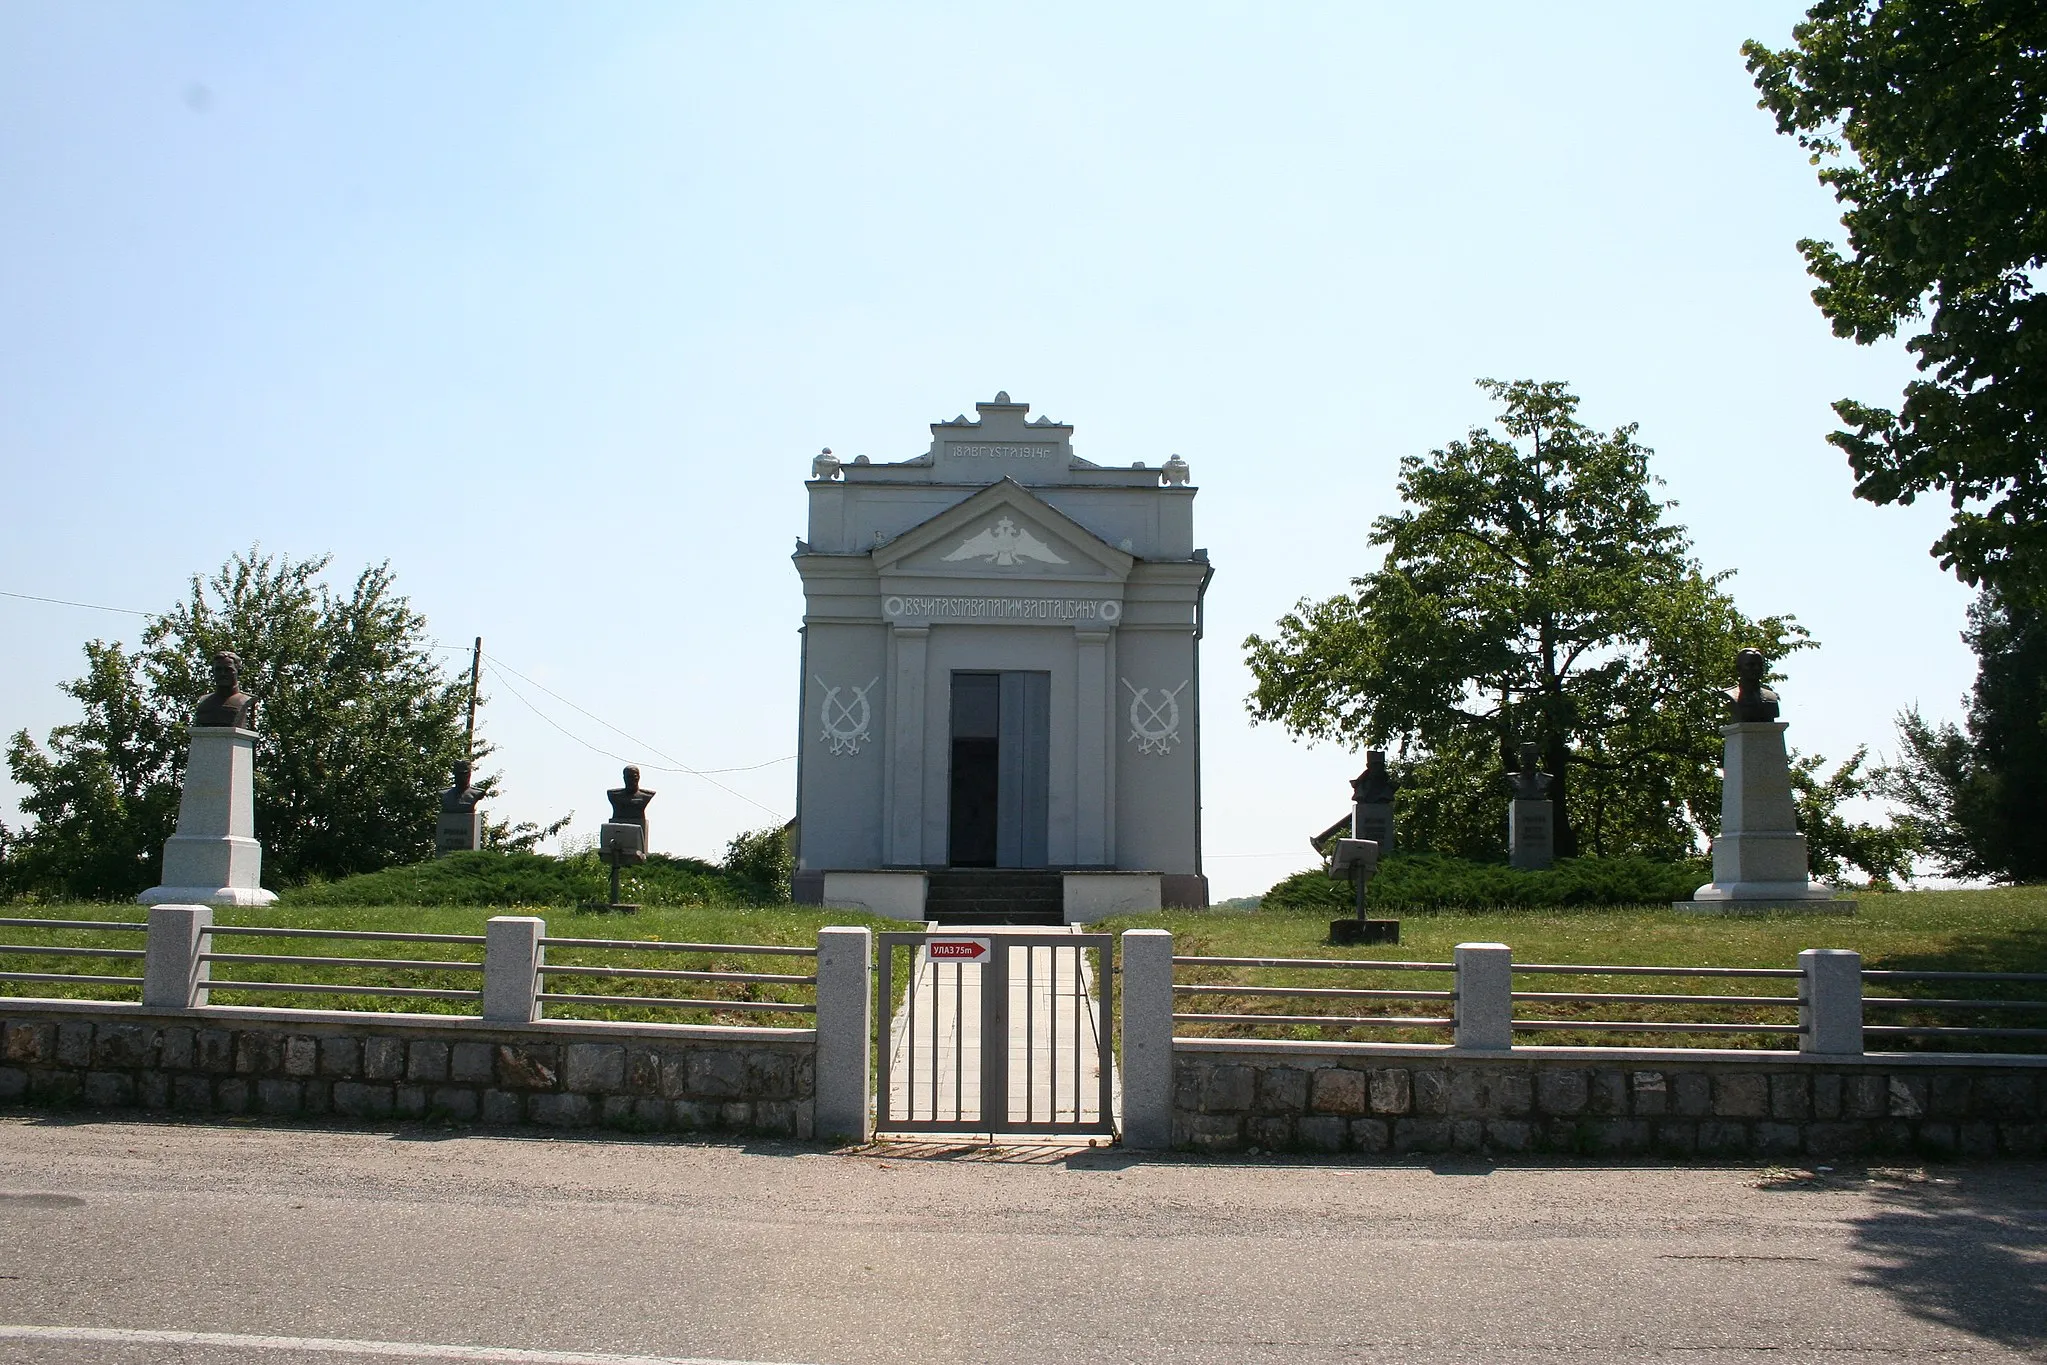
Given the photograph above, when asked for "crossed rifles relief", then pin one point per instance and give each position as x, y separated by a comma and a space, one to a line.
1155, 725
846, 723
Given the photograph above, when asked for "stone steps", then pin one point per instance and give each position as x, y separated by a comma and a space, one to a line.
995, 896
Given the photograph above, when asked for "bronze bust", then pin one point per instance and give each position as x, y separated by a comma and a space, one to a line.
1749, 700
226, 705
461, 798
1530, 782
629, 804
1373, 786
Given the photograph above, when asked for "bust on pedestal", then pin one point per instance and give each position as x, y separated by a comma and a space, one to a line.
1531, 828
1371, 803
1355, 859
461, 824
214, 858
1759, 857
622, 840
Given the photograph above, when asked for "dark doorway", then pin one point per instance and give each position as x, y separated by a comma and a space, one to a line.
1001, 760
976, 768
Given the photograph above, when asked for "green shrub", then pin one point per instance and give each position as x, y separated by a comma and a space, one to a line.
506, 878
763, 859
1409, 882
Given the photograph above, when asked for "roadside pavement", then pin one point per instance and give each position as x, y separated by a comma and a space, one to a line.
548, 1250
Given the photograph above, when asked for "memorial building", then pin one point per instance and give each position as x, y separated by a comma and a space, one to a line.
1001, 679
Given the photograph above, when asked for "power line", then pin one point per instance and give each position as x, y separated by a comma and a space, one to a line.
681, 768
498, 668
61, 602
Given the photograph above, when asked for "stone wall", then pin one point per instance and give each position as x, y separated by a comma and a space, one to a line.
1232, 1097
318, 1064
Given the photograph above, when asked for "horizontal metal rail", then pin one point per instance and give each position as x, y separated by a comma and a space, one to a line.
77, 978
1884, 974
6, 948
427, 964
1902, 1002
669, 1002
308, 988
365, 934
1334, 963
115, 925
668, 974
1589, 997
1944, 1030
1325, 1020
1641, 1026
1780, 973
655, 945
1317, 992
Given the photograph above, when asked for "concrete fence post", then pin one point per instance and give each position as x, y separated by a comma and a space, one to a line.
173, 977
1485, 995
511, 968
1147, 1039
845, 1034
1830, 1002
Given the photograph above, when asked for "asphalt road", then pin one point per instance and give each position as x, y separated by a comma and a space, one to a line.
551, 1249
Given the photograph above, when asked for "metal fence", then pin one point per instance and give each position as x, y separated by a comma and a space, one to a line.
440, 973
2003, 1008
260, 974
1761, 1007
1369, 1016
1660, 1011
753, 990
109, 956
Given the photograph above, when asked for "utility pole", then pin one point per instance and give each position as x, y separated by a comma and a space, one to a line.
475, 668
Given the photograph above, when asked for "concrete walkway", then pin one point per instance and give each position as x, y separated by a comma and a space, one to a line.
1054, 1038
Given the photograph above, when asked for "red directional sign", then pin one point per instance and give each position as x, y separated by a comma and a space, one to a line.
958, 949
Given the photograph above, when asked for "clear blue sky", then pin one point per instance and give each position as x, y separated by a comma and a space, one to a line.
551, 305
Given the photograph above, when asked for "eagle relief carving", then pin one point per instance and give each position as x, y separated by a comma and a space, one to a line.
1004, 544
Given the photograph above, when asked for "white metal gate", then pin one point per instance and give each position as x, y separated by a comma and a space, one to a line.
1053, 1070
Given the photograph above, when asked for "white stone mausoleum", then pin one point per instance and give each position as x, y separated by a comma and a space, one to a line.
1001, 676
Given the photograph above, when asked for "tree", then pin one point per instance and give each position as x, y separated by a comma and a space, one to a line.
1977, 800
105, 797
1532, 590
1834, 843
360, 728
1928, 119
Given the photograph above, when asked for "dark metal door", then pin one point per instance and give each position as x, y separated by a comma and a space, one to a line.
1001, 756
1025, 764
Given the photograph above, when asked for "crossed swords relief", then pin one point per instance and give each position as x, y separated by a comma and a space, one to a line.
846, 723
1155, 725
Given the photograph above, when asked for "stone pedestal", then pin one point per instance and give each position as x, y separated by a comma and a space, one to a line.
459, 832
1531, 834
1373, 820
214, 858
1759, 858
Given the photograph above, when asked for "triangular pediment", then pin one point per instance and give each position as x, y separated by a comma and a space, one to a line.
1003, 531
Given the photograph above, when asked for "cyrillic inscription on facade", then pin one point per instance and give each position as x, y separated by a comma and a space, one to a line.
1001, 608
